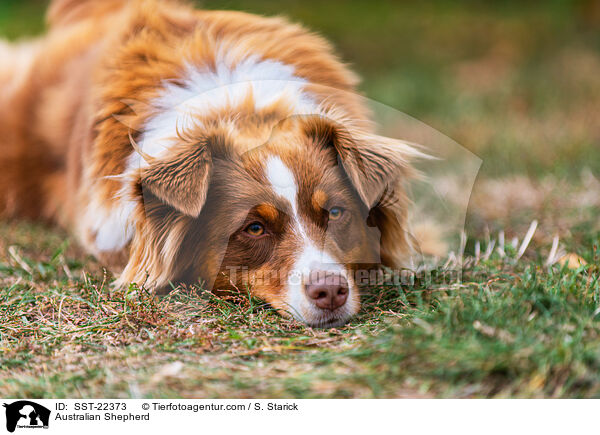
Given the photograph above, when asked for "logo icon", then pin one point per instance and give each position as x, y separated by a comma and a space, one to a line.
26, 414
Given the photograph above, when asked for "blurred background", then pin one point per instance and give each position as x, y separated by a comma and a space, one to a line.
517, 83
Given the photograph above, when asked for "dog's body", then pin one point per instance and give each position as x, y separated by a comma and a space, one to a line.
181, 145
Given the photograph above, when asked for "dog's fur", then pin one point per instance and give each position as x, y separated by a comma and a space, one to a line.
157, 133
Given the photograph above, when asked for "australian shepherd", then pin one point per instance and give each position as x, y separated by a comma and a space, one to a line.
186, 146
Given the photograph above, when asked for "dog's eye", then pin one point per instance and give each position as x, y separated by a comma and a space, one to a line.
255, 229
335, 213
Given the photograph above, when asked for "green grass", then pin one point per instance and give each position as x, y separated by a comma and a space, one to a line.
21, 19
518, 85
511, 328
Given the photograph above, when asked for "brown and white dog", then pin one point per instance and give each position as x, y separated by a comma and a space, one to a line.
181, 145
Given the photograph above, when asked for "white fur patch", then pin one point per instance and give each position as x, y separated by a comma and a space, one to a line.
282, 180
112, 227
204, 90
16, 61
311, 258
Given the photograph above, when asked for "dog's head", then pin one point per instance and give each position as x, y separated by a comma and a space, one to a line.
293, 220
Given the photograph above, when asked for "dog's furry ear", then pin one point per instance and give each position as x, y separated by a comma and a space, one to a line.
378, 167
181, 180
374, 164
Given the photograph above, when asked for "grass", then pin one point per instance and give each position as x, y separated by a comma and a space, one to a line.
516, 84
510, 328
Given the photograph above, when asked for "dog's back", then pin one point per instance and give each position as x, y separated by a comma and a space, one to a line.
42, 105
18, 160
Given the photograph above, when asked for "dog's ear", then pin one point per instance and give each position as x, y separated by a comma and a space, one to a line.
374, 164
378, 167
182, 179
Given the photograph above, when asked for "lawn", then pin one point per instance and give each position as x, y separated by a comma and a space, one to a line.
518, 85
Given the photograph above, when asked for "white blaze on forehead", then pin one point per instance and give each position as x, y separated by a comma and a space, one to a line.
310, 258
284, 185
283, 182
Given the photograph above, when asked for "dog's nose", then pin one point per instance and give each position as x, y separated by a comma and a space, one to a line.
327, 291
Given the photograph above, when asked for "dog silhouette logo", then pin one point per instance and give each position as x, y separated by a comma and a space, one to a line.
26, 414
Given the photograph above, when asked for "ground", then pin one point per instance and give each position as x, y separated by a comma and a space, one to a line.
519, 86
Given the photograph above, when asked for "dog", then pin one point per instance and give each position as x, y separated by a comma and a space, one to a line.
181, 145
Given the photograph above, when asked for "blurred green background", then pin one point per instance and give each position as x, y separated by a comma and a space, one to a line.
518, 83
